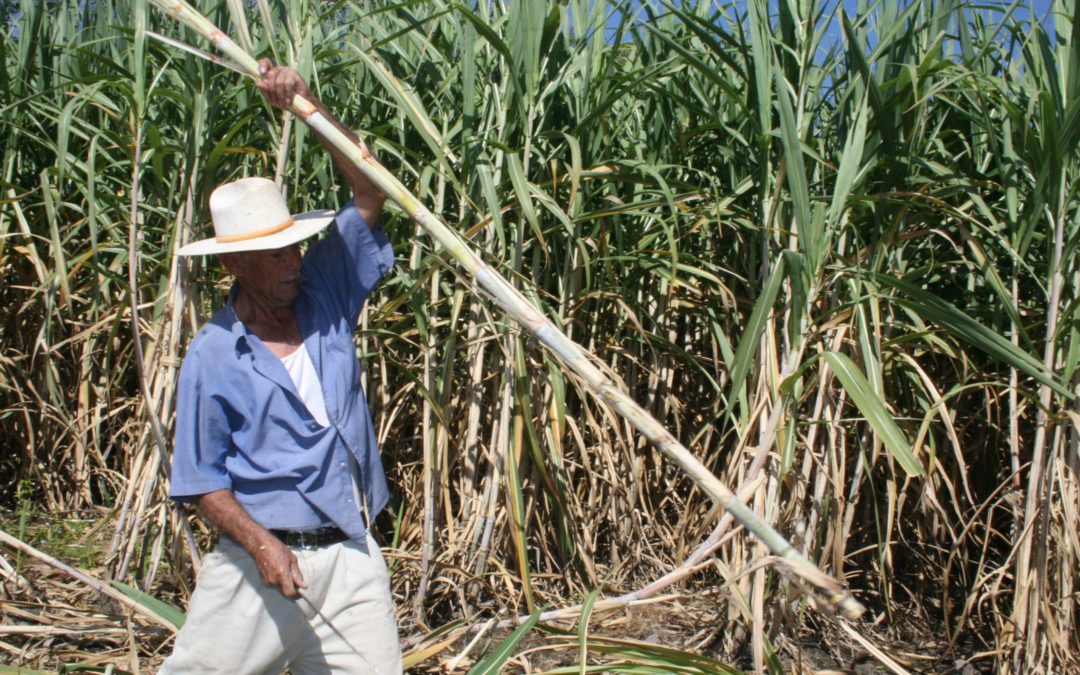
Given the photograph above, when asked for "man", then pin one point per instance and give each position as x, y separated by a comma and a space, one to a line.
274, 441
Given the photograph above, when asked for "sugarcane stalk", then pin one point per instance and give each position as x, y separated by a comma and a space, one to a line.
830, 593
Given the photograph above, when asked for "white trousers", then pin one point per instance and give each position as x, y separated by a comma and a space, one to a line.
344, 623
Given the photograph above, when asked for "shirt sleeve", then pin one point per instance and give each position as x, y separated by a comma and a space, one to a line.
348, 262
202, 438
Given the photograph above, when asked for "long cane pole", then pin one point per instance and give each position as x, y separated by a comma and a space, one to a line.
827, 590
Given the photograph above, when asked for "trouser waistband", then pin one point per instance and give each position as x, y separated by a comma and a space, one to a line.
311, 539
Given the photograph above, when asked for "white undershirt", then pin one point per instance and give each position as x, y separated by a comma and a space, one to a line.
302, 372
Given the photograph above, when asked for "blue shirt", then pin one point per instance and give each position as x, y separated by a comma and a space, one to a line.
240, 423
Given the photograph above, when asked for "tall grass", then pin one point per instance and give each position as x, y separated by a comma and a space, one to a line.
835, 254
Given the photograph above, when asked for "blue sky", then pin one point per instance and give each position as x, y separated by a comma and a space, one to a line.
1025, 8
1042, 10
994, 9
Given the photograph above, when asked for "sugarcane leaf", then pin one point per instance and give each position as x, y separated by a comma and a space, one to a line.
762, 58
412, 106
873, 409
772, 661
159, 607
850, 163
515, 492
92, 668
493, 663
583, 628
1072, 74
433, 643
525, 20
1070, 131
751, 337
963, 327
691, 57
665, 659
58, 250
524, 195
857, 51
486, 31
796, 173
240, 22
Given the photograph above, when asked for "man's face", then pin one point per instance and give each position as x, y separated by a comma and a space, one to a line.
270, 277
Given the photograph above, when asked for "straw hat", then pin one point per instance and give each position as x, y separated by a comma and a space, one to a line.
250, 215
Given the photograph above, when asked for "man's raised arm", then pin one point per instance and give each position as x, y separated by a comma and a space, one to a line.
279, 84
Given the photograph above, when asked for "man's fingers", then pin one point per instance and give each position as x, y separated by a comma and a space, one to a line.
276, 83
292, 580
277, 87
284, 87
273, 89
280, 84
298, 578
280, 569
287, 587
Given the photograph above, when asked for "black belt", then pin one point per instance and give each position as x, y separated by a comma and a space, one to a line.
311, 539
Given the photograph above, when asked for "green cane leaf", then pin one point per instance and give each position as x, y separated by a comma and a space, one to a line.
873, 409
496, 659
159, 607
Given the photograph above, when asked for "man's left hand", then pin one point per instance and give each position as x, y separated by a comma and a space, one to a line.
280, 83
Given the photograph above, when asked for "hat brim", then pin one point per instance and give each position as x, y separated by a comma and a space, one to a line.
304, 225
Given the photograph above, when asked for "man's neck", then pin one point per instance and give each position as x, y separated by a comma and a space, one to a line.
275, 325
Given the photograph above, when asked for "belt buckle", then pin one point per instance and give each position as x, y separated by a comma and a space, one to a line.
307, 540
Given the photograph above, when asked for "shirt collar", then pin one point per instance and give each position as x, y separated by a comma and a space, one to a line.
240, 330
236, 326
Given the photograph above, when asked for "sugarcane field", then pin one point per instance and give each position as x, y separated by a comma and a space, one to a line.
540, 336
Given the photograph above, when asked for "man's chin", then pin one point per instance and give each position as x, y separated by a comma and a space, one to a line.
289, 294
